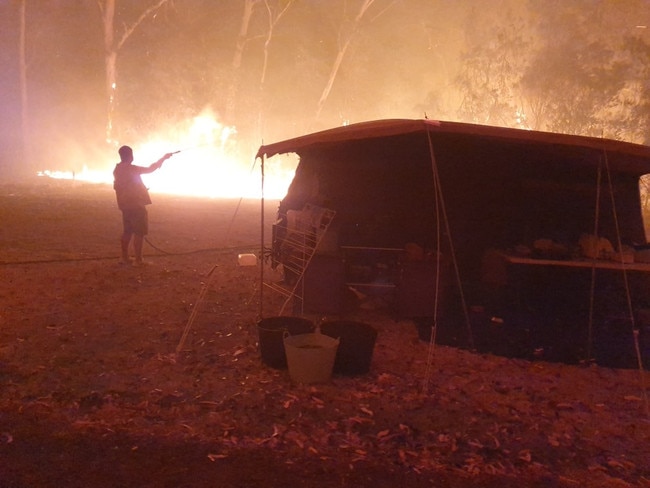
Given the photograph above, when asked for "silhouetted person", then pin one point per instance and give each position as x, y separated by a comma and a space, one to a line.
132, 200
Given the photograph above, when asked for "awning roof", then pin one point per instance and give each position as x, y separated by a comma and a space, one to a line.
626, 156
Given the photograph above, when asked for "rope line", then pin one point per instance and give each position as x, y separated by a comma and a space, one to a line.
208, 282
439, 198
105, 258
434, 328
592, 290
195, 309
628, 295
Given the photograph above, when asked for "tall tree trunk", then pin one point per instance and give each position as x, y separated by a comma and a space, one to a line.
24, 108
273, 20
110, 65
242, 39
111, 49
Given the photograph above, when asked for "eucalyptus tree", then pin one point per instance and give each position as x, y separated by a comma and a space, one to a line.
570, 67
497, 46
574, 76
634, 98
22, 62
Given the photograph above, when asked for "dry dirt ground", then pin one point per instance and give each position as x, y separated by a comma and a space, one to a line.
121, 376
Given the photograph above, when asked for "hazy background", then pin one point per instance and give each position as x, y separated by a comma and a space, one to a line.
259, 71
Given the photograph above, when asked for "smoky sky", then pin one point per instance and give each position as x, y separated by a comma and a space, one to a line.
312, 66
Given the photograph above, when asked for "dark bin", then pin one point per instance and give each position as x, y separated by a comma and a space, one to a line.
271, 337
355, 349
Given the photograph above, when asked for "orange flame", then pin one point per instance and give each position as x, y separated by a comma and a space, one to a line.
205, 165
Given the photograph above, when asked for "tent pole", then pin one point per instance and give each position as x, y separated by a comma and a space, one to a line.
590, 337
635, 328
439, 197
262, 239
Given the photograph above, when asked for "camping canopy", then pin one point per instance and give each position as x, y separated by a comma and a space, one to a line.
466, 191
624, 156
388, 179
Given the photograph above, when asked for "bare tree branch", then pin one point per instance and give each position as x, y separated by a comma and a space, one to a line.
273, 21
249, 6
129, 30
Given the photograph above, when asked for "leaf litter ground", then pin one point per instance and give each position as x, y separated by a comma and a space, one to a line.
95, 389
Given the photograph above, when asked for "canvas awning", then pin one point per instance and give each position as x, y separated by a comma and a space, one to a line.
624, 156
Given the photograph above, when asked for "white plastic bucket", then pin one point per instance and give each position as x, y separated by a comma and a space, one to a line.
247, 260
310, 357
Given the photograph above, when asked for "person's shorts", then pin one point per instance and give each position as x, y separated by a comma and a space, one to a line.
135, 221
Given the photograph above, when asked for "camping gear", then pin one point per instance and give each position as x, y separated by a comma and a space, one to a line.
354, 353
324, 286
310, 357
271, 332
462, 190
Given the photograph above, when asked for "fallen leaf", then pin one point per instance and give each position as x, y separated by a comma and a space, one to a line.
570, 481
367, 411
384, 377
214, 457
404, 428
359, 420
632, 398
497, 444
383, 433
552, 440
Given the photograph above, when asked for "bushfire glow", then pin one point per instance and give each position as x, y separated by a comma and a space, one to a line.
203, 167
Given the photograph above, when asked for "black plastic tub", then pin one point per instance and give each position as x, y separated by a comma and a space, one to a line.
354, 354
271, 337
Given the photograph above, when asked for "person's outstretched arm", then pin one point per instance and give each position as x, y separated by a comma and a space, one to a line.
158, 163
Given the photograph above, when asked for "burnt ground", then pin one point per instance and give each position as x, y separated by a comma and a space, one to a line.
119, 376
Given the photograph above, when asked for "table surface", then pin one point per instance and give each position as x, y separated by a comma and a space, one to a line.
577, 263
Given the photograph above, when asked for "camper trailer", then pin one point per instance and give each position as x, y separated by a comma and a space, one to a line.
505, 240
